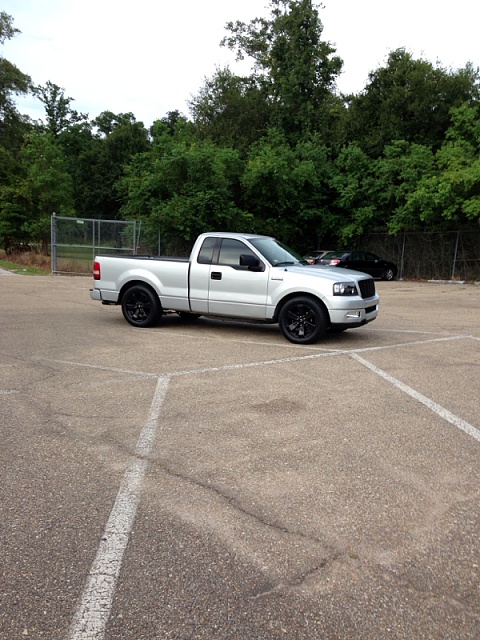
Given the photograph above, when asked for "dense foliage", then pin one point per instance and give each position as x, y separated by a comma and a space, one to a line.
279, 151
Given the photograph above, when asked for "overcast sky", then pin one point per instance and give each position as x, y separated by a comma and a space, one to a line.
150, 56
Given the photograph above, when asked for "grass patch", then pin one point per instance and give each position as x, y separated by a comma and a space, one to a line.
37, 264
29, 264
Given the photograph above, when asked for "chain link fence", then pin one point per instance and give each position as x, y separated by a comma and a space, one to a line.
451, 255
76, 241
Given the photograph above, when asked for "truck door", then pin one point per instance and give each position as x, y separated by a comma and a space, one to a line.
237, 290
199, 276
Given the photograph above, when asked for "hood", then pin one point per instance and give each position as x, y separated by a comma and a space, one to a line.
335, 274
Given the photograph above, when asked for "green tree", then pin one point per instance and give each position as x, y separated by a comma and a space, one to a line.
59, 114
13, 126
286, 188
231, 110
375, 194
183, 186
42, 187
354, 208
294, 68
450, 198
402, 167
96, 156
409, 100
12, 80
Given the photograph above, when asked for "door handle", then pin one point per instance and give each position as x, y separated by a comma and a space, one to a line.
216, 275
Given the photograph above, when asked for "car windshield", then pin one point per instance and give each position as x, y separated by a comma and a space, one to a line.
277, 253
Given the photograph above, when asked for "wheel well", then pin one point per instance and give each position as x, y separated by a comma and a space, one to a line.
134, 283
296, 295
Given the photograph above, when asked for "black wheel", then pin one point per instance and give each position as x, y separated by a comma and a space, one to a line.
389, 274
303, 320
141, 306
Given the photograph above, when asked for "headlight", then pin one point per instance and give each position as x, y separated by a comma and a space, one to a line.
345, 289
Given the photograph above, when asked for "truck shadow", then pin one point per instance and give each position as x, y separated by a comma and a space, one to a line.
215, 325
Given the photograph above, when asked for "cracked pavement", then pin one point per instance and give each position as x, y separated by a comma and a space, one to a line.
272, 490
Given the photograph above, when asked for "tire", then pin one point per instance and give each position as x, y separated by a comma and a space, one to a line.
141, 306
389, 274
303, 320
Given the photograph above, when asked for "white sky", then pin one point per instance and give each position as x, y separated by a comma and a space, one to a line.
151, 56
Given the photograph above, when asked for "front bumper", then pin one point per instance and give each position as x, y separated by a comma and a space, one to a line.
354, 317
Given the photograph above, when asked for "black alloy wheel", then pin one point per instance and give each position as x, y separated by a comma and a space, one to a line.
303, 320
141, 306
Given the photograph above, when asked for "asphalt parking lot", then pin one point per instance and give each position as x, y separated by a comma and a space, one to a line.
214, 481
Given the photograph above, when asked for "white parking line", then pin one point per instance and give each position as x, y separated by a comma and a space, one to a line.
93, 612
94, 609
433, 406
130, 372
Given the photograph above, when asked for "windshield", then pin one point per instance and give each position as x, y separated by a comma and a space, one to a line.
277, 253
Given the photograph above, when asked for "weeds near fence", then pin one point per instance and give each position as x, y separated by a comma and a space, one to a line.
27, 263
31, 263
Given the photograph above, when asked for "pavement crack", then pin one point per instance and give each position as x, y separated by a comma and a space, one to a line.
233, 502
297, 580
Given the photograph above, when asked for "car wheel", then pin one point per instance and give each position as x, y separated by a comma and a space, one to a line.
141, 306
389, 274
303, 320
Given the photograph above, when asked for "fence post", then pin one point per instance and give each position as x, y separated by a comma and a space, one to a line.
94, 239
455, 256
402, 259
54, 241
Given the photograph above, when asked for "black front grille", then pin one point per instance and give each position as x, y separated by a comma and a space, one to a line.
367, 287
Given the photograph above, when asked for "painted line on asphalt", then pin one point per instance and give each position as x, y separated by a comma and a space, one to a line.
92, 614
259, 363
430, 404
311, 356
262, 363
141, 374
414, 343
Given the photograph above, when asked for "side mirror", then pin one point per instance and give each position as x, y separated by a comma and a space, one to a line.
253, 263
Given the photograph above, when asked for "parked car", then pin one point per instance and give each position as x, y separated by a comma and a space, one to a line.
360, 261
314, 256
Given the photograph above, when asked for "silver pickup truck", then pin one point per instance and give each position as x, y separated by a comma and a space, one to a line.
238, 275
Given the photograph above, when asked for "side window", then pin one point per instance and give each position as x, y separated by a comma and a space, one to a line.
356, 256
205, 255
230, 252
